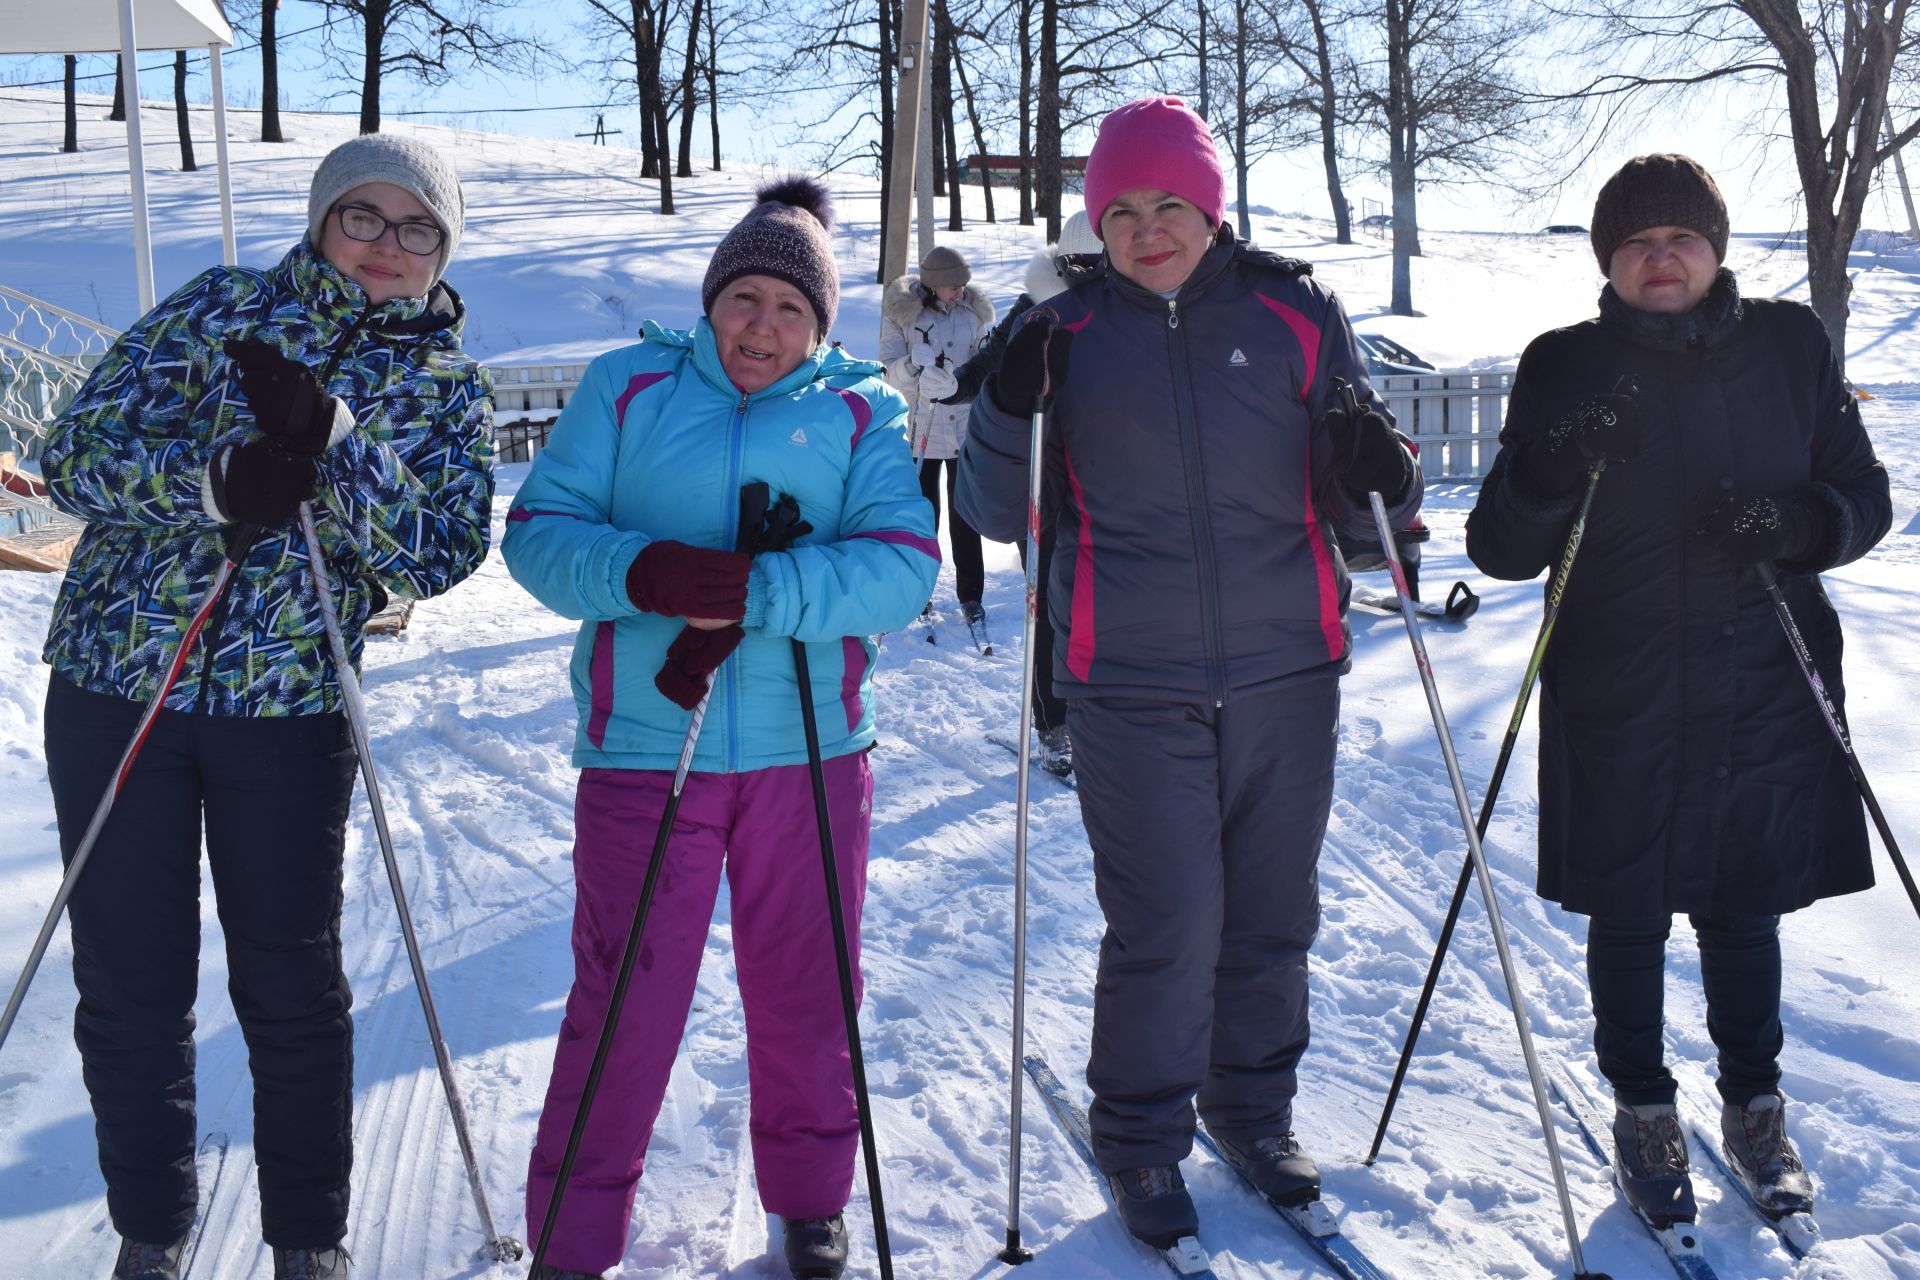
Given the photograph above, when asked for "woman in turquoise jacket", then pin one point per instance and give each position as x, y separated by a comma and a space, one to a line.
626, 522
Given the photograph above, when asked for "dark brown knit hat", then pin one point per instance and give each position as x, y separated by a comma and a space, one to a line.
1658, 191
784, 236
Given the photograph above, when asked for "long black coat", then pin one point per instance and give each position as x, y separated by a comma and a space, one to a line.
1684, 764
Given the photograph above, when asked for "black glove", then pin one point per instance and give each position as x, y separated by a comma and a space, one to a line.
1605, 428
1035, 364
692, 658
289, 406
1788, 526
1367, 455
259, 483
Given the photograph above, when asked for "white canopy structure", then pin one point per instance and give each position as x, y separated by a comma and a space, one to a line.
128, 26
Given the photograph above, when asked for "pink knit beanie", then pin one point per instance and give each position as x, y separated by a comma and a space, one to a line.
1156, 143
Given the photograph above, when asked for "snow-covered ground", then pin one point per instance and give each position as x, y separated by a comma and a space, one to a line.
472, 722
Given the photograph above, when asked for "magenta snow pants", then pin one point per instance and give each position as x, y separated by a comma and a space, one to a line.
761, 827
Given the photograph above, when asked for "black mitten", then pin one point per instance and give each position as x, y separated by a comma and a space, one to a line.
1034, 367
1604, 428
258, 483
1367, 455
1788, 526
289, 406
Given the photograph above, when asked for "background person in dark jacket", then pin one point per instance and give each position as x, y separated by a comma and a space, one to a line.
1196, 461
1683, 764
1051, 269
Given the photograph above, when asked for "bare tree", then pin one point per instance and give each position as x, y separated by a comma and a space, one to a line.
689, 91
180, 111
1445, 89
1315, 58
119, 110
426, 40
72, 142
1837, 66
642, 28
261, 16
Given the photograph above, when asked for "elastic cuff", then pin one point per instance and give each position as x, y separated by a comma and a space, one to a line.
758, 585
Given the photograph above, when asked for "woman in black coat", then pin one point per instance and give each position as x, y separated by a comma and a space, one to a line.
1684, 765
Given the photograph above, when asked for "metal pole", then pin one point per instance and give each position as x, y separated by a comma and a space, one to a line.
1479, 861
230, 256
1804, 657
1014, 1253
1554, 594
136, 157
906, 138
500, 1248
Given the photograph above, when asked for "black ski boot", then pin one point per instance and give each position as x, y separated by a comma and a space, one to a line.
1762, 1156
816, 1247
1650, 1163
310, 1264
973, 611
1275, 1165
1056, 751
149, 1261
1154, 1204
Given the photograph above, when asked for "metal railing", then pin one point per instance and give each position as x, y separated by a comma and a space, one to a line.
45, 353
1454, 416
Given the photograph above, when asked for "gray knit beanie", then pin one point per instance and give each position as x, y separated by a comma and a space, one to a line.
413, 166
1658, 191
784, 236
943, 268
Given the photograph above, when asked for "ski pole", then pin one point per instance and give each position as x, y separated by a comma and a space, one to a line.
1554, 594
848, 1011
1014, 1253
1770, 580
1478, 859
500, 1248
238, 543
655, 861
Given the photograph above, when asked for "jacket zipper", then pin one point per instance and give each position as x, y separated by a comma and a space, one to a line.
1202, 527
736, 447
218, 622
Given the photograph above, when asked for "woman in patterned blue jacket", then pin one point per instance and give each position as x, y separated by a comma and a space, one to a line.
628, 522
335, 378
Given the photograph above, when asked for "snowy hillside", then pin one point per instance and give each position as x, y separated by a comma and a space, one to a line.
472, 723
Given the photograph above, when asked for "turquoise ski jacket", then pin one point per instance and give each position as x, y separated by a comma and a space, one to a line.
657, 443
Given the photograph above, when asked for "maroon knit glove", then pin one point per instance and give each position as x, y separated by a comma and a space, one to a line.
680, 581
692, 659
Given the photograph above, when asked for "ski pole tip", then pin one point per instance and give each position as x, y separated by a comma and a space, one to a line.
1015, 1254
505, 1249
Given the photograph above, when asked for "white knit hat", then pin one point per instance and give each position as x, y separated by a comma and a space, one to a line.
413, 166
1045, 276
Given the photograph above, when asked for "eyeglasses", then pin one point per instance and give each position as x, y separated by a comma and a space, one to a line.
422, 239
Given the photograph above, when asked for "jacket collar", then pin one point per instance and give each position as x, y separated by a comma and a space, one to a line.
328, 292
699, 341
1709, 324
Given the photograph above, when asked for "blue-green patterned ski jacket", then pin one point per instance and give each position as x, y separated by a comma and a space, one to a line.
404, 499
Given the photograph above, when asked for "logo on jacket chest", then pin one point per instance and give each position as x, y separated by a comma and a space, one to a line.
1238, 359
799, 437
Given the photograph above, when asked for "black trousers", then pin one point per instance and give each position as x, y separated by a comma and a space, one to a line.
271, 796
1205, 824
1049, 712
1740, 972
969, 569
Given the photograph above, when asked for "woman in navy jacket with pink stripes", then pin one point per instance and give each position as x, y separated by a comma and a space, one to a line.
1199, 458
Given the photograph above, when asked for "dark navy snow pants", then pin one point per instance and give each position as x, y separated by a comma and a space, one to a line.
1206, 826
271, 796
1740, 972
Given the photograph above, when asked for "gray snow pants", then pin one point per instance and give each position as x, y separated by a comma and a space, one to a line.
1206, 825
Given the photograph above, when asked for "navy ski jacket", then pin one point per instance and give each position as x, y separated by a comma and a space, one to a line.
1191, 478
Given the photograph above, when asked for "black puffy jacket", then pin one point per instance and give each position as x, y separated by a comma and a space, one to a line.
1190, 475
1684, 764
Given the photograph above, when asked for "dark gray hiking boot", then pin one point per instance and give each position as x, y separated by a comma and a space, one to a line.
1056, 751
1762, 1156
1276, 1166
816, 1247
1154, 1204
1651, 1163
310, 1264
149, 1261
547, 1271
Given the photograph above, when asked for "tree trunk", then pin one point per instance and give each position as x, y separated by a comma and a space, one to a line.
1240, 115
72, 141
374, 32
269, 75
713, 87
888, 52
688, 103
1329, 128
646, 84
979, 137
1047, 144
180, 111
119, 112
1400, 156
1026, 111
936, 90
943, 110
1206, 101
666, 167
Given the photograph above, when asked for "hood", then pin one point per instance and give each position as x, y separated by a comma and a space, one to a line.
905, 299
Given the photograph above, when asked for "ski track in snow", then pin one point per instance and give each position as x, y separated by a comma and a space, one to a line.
473, 721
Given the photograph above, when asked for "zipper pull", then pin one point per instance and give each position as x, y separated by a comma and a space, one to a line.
1173, 313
